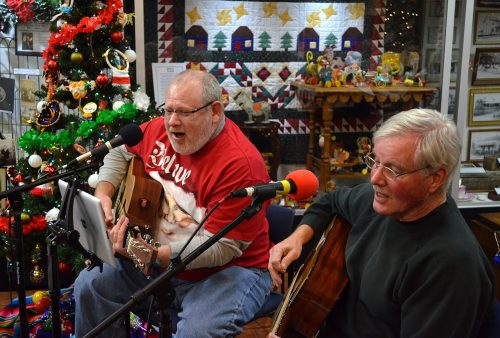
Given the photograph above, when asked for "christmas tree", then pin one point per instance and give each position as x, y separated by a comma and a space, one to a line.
264, 41
220, 41
88, 96
286, 41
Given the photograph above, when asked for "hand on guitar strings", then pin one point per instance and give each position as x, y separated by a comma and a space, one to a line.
117, 236
282, 255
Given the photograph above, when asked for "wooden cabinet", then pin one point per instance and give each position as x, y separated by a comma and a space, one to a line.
264, 135
321, 102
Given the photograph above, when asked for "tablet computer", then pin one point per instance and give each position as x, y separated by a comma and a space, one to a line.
88, 220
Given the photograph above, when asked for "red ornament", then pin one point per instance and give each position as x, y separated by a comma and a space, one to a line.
116, 36
42, 305
67, 326
64, 267
102, 80
52, 65
49, 169
19, 178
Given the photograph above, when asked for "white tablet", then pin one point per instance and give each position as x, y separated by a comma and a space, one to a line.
88, 220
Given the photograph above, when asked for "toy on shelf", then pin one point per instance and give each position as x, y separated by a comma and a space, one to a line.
312, 76
395, 69
256, 111
391, 64
382, 78
364, 146
412, 77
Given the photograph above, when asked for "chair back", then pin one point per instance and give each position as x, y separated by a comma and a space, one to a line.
281, 221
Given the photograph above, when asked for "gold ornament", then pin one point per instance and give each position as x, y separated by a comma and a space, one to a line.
37, 275
76, 58
25, 218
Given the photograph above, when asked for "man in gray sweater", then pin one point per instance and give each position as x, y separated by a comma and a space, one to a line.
414, 267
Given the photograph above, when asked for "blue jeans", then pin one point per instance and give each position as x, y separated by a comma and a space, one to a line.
217, 306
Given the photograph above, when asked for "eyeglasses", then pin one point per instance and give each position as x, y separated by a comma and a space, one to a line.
184, 114
386, 171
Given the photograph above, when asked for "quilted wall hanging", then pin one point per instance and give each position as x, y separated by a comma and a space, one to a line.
259, 48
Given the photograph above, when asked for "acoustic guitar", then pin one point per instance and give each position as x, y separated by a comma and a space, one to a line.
316, 287
139, 198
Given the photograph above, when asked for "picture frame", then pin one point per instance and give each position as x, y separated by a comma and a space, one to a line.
486, 68
487, 27
31, 38
483, 142
452, 102
7, 150
435, 35
484, 107
433, 64
488, 3
457, 8
436, 8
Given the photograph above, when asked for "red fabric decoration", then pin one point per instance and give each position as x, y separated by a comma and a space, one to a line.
22, 8
38, 223
40, 192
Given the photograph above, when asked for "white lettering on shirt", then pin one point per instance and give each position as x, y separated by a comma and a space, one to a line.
159, 159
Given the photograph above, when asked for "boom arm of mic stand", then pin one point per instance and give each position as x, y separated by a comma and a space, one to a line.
175, 269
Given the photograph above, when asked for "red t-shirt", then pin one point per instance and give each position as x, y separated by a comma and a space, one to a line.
193, 184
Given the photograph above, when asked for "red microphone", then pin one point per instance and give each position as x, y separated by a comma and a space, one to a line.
299, 185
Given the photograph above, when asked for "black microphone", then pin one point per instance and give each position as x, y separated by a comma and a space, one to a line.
299, 185
131, 134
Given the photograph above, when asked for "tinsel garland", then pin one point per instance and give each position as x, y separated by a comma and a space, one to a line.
36, 141
13, 11
86, 25
38, 223
22, 8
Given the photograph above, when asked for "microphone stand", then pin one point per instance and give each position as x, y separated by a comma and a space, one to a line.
177, 265
16, 202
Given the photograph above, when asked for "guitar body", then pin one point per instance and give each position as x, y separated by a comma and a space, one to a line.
140, 199
316, 287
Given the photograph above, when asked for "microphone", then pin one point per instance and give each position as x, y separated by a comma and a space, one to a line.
131, 134
299, 185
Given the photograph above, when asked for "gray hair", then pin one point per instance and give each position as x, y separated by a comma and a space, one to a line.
438, 144
211, 90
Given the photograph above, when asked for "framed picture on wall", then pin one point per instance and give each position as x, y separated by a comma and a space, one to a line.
435, 35
488, 3
32, 38
436, 8
482, 143
487, 28
452, 102
7, 150
484, 107
486, 68
433, 64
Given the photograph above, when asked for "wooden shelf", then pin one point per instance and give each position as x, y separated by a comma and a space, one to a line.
324, 99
